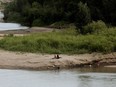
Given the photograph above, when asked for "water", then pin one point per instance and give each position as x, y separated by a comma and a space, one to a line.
10, 26
86, 77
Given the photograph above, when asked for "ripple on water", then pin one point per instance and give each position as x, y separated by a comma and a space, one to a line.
63, 78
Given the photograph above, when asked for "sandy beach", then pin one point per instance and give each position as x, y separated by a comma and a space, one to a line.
36, 61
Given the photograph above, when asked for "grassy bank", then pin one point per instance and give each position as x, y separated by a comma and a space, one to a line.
65, 42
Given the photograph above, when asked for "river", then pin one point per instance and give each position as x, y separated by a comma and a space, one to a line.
83, 77
9, 26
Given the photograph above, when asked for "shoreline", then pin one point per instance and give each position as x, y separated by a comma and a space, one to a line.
34, 61
27, 31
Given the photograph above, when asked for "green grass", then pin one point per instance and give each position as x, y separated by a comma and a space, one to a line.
62, 42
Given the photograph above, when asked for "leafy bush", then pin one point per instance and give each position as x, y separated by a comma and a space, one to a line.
79, 11
83, 16
15, 17
60, 25
38, 22
70, 31
10, 35
94, 27
61, 42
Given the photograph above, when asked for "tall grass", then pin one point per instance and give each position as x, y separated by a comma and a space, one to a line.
62, 42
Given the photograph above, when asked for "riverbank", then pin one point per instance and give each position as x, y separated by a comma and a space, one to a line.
24, 32
46, 42
27, 31
33, 61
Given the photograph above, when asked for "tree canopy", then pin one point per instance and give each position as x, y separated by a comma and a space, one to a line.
45, 12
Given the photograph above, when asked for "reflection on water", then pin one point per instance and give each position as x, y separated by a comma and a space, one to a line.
100, 69
9, 26
65, 78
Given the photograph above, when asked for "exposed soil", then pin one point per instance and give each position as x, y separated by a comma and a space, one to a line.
27, 31
23, 32
17, 60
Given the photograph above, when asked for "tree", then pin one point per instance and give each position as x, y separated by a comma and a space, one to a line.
83, 16
80, 12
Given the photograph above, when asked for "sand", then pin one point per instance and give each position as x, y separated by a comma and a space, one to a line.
36, 61
26, 31
110, 66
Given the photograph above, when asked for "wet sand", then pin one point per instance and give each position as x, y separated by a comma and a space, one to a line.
110, 66
36, 61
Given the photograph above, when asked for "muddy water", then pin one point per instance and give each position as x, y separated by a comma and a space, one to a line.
85, 77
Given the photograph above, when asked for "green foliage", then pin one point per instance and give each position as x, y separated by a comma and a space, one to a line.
38, 22
70, 31
62, 42
9, 35
83, 17
60, 25
80, 12
60, 14
94, 27
15, 17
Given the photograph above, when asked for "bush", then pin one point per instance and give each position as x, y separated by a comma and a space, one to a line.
15, 17
70, 31
59, 42
83, 17
60, 25
94, 27
38, 22
10, 35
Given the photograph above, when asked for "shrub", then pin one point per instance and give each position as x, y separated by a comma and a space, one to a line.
60, 25
59, 42
15, 17
9, 35
38, 22
70, 31
83, 16
94, 27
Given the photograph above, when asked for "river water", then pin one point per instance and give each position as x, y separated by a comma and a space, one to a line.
9, 26
84, 77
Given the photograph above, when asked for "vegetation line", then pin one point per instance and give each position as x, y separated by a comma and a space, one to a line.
89, 23
63, 42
